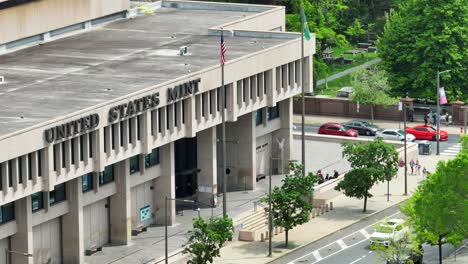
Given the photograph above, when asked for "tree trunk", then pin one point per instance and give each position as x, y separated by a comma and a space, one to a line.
440, 249
365, 203
286, 235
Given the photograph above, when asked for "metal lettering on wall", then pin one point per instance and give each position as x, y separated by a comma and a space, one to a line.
133, 107
182, 90
71, 128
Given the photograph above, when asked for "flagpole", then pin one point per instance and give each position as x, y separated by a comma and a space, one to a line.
223, 140
303, 91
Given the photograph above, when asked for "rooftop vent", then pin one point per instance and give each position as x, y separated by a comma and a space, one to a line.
183, 50
2, 80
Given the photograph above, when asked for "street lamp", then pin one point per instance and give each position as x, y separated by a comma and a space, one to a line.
438, 108
405, 154
270, 214
9, 252
166, 223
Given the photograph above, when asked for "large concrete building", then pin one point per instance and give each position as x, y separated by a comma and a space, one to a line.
105, 112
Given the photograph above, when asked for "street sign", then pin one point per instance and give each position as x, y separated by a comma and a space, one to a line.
145, 213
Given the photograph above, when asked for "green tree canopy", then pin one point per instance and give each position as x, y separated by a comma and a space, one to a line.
290, 202
371, 162
206, 239
438, 209
370, 87
421, 38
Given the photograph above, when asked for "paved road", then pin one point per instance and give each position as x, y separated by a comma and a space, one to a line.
348, 71
450, 147
351, 245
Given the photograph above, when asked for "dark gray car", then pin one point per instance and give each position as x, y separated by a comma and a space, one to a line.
363, 127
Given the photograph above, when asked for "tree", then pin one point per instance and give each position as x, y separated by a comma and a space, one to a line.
370, 87
438, 208
371, 162
355, 31
398, 251
206, 239
421, 38
290, 202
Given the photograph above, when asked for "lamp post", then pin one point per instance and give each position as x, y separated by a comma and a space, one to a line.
438, 108
270, 214
9, 252
406, 166
166, 253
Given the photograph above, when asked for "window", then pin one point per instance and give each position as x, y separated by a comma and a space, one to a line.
113, 128
259, 117
63, 154
122, 133
152, 122
138, 119
105, 138
130, 129
90, 142
39, 163
72, 146
134, 164
243, 90
7, 212
20, 170
168, 109
58, 194
87, 182
176, 114
159, 120
107, 175
333, 128
81, 147
37, 200
152, 158
183, 111
218, 94
273, 112
10, 173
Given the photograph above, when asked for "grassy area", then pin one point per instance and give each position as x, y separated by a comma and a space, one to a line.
334, 86
358, 59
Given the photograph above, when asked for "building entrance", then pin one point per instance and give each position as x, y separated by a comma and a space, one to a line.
186, 167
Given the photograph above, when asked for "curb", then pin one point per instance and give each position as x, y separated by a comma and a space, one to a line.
336, 231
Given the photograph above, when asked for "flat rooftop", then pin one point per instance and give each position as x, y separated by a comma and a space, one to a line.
71, 74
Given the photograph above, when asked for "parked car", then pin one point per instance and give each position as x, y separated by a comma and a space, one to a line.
363, 127
395, 134
337, 130
388, 231
426, 132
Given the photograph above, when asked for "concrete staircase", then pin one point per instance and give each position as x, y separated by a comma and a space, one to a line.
252, 225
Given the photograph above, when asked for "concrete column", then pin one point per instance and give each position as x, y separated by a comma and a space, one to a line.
86, 149
154, 124
163, 120
307, 71
247, 91
24, 170
165, 186
253, 85
239, 92
120, 205
170, 109
72, 224
126, 127
34, 168
98, 154
14, 171
271, 83
205, 105
231, 102
76, 151
22, 241
106, 139
283, 136
241, 154
146, 137
116, 139
198, 107
261, 78
292, 75
5, 180
207, 162
67, 150
190, 116
132, 126
50, 175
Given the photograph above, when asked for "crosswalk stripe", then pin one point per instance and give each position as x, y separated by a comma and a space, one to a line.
451, 151
449, 154
364, 233
317, 255
342, 244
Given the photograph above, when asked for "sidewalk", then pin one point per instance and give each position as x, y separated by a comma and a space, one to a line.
319, 120
346, 212
348, 71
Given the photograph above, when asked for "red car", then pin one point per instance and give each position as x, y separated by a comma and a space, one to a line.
426, 132
337, 130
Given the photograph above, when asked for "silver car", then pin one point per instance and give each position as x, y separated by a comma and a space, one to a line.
395, 134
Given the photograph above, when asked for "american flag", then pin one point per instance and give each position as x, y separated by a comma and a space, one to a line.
223, 49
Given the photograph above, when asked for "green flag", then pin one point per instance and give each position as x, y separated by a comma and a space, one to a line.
306, 26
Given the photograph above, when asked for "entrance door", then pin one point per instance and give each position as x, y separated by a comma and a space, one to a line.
47, 242
96, 224
186, 167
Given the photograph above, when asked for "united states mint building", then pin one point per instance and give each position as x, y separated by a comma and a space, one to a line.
105, 111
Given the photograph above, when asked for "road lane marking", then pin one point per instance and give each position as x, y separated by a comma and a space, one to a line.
356, 260
317, 255
364, 233
328, 245
342, 244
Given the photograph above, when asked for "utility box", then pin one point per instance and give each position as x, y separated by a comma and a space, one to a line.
425, 147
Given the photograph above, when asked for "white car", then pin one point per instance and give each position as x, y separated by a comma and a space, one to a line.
388, 231
395, 134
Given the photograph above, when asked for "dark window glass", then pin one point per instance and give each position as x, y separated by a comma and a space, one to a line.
265, 82
243, 90
130, 125
152, 158
72, 146
39, 163
105, 139
7, 212
176, 113
81, 147
218, 96
333, 128
58, 194
259, 117
159, 120
258, 85
87, 182
152, 123
203, 104
251, 87
210, 95
90, 141
168, 109
134, 164
63, 154
138, 127
113, 128
20, 170
1, 177
10, 173
273, 112
37, 200
183, 112
121, 133
107, 175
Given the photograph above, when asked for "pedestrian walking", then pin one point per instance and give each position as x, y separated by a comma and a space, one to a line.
424, 172
418, 167
335, 174
426, 119
412, 163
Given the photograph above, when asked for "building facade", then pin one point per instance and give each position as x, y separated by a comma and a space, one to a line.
104, 119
